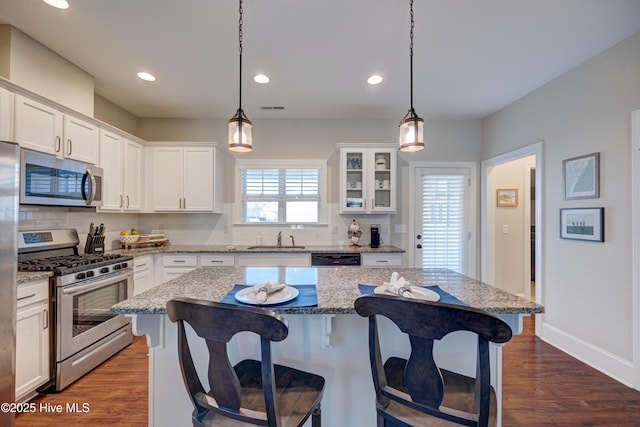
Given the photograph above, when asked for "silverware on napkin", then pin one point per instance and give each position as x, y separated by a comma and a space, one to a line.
262, 290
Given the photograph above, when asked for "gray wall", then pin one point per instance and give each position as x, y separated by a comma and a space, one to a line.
587, 286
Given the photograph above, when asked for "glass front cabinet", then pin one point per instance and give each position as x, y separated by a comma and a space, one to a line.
368, 180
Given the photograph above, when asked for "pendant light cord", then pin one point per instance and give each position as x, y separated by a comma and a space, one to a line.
240, 68
411, 53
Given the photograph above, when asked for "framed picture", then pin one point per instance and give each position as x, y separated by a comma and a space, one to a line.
507, 196
581, 177
582, 224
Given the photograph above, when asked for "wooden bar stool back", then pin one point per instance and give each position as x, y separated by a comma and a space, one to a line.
251, 392
416, 392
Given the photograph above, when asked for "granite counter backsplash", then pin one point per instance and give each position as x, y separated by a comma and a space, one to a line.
244, 249
337, 289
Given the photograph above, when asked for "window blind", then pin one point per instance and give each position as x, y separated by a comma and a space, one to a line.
445, 221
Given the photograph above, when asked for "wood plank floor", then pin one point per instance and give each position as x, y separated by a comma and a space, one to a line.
542, 386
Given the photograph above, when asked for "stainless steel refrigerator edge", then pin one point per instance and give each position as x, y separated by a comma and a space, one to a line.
9, 179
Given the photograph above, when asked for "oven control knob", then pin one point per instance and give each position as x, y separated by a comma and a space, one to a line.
117, 267
80, 276
125, 265
90, 273
104, 270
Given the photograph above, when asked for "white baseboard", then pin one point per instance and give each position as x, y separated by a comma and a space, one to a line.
619, 369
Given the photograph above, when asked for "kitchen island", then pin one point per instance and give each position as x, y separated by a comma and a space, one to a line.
328, 339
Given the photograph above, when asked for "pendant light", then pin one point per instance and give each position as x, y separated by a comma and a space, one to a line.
411, 126
239, 125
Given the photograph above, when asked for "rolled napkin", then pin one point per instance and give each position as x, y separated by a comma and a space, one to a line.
398, 286
262, 290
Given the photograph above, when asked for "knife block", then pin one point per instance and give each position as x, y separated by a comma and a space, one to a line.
94, 245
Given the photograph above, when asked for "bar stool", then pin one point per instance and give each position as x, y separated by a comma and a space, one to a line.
416, 392
251, 392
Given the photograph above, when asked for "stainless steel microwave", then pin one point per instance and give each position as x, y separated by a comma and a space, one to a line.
49, 180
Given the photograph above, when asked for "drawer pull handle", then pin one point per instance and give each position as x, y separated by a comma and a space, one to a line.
141, 265
382, 260
45, 319
179, 261
26, 297
214, 261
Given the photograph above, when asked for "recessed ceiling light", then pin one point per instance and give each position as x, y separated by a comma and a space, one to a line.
374, 80
60, 4
147, 76
261, 78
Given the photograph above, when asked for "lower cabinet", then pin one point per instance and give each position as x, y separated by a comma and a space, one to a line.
177, 265
32, 339
143, 274
382, 260
274, 260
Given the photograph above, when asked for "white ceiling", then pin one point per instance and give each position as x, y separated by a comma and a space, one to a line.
471, 57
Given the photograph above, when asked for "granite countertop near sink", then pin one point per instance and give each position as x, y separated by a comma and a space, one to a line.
31, 276
244, 249
337, 289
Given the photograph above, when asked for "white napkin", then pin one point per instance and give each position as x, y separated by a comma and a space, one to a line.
262, 290
398, 286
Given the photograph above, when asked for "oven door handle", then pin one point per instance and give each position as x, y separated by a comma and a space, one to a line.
92, 187
70, 290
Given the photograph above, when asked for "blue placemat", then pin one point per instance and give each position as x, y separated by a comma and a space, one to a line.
444, 296
307, 297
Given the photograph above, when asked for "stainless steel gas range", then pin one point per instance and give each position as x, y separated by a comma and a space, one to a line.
83, 289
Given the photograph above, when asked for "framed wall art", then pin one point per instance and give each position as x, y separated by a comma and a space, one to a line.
581, 177
582, 224
507, 197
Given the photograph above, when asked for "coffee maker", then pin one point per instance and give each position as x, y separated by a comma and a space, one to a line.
375, 235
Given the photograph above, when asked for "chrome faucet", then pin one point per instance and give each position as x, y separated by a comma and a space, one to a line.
293, 241
279, 241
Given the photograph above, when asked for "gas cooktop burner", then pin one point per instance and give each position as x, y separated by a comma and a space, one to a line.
69, 263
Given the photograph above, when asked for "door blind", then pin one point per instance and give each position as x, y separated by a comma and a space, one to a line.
445, 221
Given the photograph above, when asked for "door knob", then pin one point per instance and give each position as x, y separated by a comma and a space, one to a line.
419, 246
419, 236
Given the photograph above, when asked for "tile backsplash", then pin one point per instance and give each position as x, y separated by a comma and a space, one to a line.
200, 228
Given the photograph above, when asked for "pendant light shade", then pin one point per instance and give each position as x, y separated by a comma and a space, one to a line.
240, 133
240, 139
411, 132
411, 126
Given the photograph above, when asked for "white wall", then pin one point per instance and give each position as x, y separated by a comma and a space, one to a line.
587, 285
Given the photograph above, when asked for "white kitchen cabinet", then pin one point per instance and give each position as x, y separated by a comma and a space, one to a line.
143, 274
46, 129
368, 180
177, 265
121, 160
382, 260
6, 115
274, 260
186, 179
217, 260
32, 338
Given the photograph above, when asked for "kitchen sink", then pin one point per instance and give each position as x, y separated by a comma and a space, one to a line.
276, 247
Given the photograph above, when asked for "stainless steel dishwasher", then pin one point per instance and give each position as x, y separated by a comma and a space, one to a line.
337, 258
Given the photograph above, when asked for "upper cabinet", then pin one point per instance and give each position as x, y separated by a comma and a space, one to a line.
6, 112
121, 160
186, 178
45, 129
368, 180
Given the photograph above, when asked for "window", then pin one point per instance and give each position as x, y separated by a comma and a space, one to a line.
280, 194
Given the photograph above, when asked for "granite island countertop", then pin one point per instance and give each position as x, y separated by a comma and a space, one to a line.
337, 289
244, 249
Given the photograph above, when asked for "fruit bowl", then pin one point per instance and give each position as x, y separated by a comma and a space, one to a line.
129, 238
